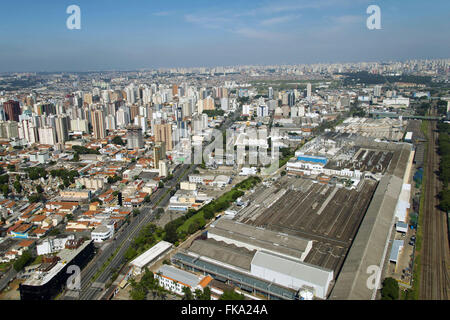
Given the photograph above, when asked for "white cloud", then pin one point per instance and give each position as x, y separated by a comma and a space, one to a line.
207, 21
162, 13
277, 20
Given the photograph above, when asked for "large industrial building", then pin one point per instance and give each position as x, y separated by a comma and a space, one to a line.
314, 233
258, 260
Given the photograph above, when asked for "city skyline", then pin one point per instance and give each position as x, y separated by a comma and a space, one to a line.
153, 35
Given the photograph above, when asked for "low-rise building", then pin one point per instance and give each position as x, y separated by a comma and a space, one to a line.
103, 232
175, 280
150, 256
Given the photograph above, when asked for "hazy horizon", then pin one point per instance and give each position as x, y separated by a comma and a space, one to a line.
139, 35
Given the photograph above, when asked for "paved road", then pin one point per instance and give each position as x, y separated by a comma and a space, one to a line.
124, 238
7, 277
434, 281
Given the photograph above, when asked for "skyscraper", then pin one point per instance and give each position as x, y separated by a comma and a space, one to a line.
134, 112
174, 89
98, 124
110, 122
270, 93
377, 91
163, 132
12, 110
47, 135
308, 91
62, 128
159, 153
134, 137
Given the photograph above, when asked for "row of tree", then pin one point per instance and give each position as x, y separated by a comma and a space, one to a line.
147, 237
174, 231
148, 284
444, 166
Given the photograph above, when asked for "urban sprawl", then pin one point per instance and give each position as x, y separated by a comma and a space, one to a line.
250, 182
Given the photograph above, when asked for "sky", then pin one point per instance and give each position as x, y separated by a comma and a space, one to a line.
149, 34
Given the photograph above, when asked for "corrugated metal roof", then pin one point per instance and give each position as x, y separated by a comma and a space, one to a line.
151, 254
179, 275
260, 238
397, 245
302, 271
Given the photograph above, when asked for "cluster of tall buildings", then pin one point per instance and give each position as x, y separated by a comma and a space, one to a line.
159, 110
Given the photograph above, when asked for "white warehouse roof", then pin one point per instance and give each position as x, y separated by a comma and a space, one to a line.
151, 254
291, 274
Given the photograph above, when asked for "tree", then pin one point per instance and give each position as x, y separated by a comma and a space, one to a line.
231, 295
23, 261
36, 173
5, 189
193, 227
113, 179
36, 197
390, 289
208, 213
130, 253
187, 294
148, 280
138, 292
203, 295
17, 186
118, 140
54, 232
171, 233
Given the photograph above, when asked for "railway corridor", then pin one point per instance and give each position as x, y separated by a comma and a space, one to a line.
434, 277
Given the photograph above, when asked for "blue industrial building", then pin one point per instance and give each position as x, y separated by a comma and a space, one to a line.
313, 159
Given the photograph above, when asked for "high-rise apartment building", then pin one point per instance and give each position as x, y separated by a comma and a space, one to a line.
308, 91
62, 128
174, 90
163, 132
98, 124
47, 135
12, 110
134, 137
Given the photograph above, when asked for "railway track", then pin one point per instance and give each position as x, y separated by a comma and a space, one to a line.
434, 280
